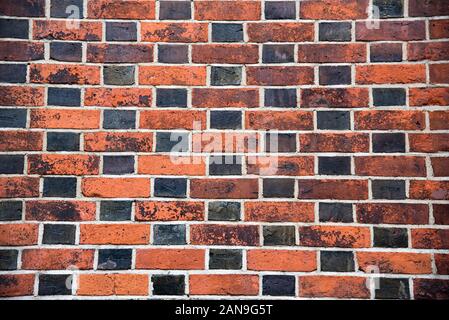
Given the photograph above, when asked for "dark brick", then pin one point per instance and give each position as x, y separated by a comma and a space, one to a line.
333, 120
8, 259
118, 75
58, 8
170, 187
386, 52
11, 164
226, 76
278, 188
227, 32
278, 53
389, 288
225, 259
13, 118
22, 8
63, 141
173, 53
333, 75
59, 234
119, 119
334, 165
66, 51
10, 210
171, 98
67, 97
60, 187
390, 238
280, 10
114, 259
175, 10
335, 212
282, 98
121, 31
14, 28
280, 142
385, 97
165, 141
279, 235
115, 210
13, 73
335, 31
118, 164
337, 261
224, 211
278, 285
169, 234
55, 284
388, 142
225, 165
388, 189
226, 119
390, 8
171, 285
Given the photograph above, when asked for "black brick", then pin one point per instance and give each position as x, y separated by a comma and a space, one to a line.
279, 235
386, 52
335, 212
11, 164
118, 75
278, 188
388, 142
59, 234
67, 97
60, 187
386, 97
226, 76
175, 10
173, 53
390, 8
224, 211
225, 259
225, 165
121, 31
388, 189
333, 120
333, 75
119, 119
226, 119
389, 288
335, 31
170, 188
13, 73
165, 144
13, 118
63, 141
168, 285
390, 238
286, 142
14, 28
281, 98
227, 32
66, 51
334, 165
55, 284
278, 285
10, 210
280, 10
171, 98
115, 210
278, 53
169, 234
118, 164
8, 259
114, 259
337, 261
59, 7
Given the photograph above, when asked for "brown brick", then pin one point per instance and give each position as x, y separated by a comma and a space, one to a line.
333, 189
169, 211
224, 188
61, 164
333, 287
21, 141
280, 32
279, 76
430, 238
21, 51
172, 119
439, 120
338, 98
392, 213
64, 74
334, 142
390, 166
440, 167
227, 10
433, 190
119, 9
119, 53
323, 53
58, 210
231, 235
279, 211
61, 30
226, 98
16, 285
19, 187
391, 31
225, 53
433, 51
389, 120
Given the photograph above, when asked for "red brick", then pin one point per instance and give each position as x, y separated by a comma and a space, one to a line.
323, 53
391, 31
64, 74
225, 98
224, 188
333, 287
23, 8
114, 234
429, 96
395, 262
419, 8
280, 166
172, 75
433, 51
439, 29
119, 53
435, 289
442, 263
62, 164
116, 187
219, 142
170, 259
118, 97
280, 32
62, 30
334, 9
282, 260
390, 73
269, 211
57, 259
334, 142
279, 76
335, 236
279, 120
172, 119
389, 120
169, 211
439, 120
338, 98
21, 51
21, 96
439, 73
121, 9
430, 238
440, 167
58, 210
19, 187
392, 213
174, 32
13, 285
429, 142
441, 213
118, 141
227, 10
65, 119
18, 234
172, 165
434, 190
225, 53
112, 285
390, 166
224, 284
220, 234
21, 140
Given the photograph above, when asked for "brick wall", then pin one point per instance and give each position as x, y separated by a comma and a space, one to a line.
333, 127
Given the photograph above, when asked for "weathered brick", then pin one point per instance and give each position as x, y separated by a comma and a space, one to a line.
119, 9
227, 11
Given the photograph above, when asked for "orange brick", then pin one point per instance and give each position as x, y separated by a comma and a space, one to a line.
433, 190
172, 75
173, 119
392, 213
174, 32
57, 259
224, 284
279, 120
429, 96
21, 96
121, 9
391, 166
280, 32
395, 262
118, 141
335, 236
172, 165
62, 30
333, 287
282, 166
334, 142
169, 259
116, 187
113, 285
16, 285
429, 142
169, 210
18, 234
334, 9
389, 120
219, 142
21, 141
114, 234
65, 119
118, 97
61, 164
19, 187
225, 98
282, 260
227, 10
64, 74
269, 211
390, 73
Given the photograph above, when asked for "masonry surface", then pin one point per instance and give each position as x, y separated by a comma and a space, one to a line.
355, 92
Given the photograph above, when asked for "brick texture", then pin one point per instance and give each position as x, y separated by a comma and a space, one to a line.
224, 148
